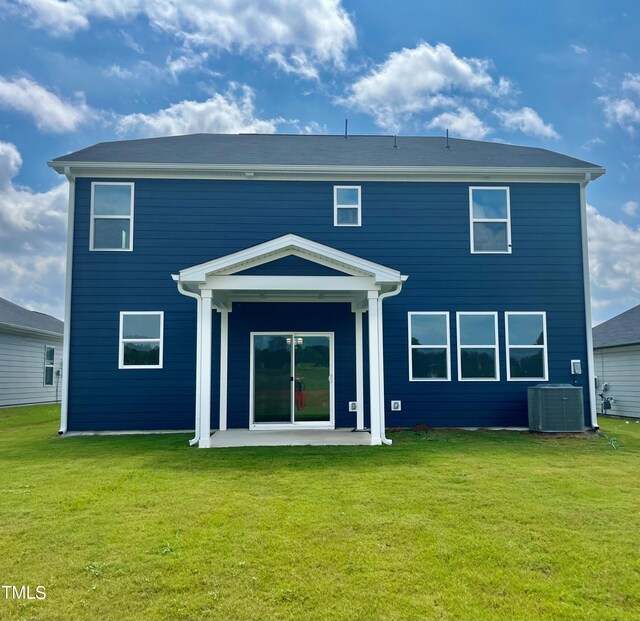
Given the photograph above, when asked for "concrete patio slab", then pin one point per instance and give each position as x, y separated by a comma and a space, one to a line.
289, 437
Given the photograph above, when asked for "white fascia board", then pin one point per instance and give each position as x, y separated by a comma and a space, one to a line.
262, 171
284, 246
290, 283
26, 330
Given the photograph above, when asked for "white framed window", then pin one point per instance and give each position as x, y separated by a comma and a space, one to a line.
429, 347
478, 346
526, 344
490, 220
49, 363
347, 205
111, 216
141, 339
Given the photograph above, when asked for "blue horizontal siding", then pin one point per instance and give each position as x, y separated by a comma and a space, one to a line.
421, 229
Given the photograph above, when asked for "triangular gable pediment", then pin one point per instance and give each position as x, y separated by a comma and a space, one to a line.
286, 246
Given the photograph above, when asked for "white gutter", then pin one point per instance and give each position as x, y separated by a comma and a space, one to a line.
587, 301
382, 297
476, 173
66, 343
195, 296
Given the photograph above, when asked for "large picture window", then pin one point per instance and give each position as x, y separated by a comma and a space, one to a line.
490, 212
49, 363
347, 205
429, 348
141, 337
526, 346
478, 346
111, 216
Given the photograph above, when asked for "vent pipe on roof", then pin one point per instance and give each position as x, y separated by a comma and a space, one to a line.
346, 129
395, 142
447, 146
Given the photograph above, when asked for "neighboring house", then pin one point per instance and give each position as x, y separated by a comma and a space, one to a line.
274, 281
30, 356
616, 352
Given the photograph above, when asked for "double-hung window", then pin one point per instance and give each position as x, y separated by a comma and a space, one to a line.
49, 362
111, 216
429, 347
478, 346
141, 339
347, 205
490, 214
526, 346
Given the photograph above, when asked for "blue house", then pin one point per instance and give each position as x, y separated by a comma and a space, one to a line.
321, 282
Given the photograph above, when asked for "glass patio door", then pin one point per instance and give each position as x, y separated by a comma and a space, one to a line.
292, 379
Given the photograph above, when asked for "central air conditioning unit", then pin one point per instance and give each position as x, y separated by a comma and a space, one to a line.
556, 408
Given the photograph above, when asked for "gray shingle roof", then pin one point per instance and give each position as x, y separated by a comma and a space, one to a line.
623, 329
14, 315
319, 150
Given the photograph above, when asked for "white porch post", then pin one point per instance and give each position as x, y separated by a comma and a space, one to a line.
205, 370
374, 369
359, 370
381, 412
224, 358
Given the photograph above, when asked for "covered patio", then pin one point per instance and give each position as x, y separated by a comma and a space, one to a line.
218, 284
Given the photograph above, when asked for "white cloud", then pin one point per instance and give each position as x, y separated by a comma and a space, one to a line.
50, 112
614, 262
229, 113
320, 28
187, 61
631, 208
297, 64
631, 82
418, 80
622, 112
527, 121
117, 71
579, 49
32, 239
461, 124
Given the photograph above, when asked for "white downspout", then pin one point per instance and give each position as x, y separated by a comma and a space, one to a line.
382, 297
66, 343
196, 297
587, 300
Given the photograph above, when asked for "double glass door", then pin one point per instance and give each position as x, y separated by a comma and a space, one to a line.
292, 379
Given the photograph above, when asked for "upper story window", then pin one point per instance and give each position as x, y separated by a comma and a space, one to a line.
49, 361
347, 205
478, 346
141, 339
526, 346
429, 349
111, 216
490, 212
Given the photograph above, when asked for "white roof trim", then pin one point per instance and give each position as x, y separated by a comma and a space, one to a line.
288, 245
127, 168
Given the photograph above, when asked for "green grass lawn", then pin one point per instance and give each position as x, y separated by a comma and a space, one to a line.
442, 525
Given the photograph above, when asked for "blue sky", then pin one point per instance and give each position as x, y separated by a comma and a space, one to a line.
559, 75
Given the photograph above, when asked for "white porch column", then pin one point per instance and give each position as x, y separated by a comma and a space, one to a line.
224, 359
374, 369
359, 370
381, 368
205, 370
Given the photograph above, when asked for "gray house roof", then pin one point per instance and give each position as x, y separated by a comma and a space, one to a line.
320, 150
623, 329
16, 316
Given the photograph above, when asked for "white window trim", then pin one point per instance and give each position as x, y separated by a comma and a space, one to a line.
460, 347
412, 347
508, 346
122, 341
47, 365
337, 206
506, 220
129, 217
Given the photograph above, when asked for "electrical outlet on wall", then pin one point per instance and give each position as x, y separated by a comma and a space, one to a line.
396, 406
